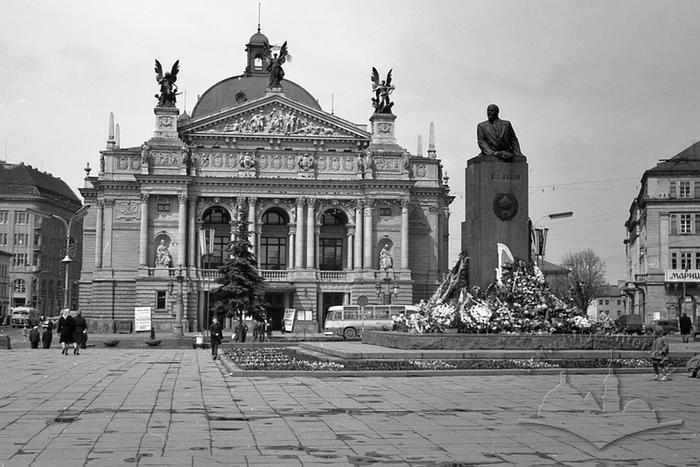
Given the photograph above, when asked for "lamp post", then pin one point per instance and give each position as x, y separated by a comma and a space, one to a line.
67, 259
177, 328
392, 288
540, 235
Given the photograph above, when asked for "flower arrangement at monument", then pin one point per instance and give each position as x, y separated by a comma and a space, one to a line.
521, 303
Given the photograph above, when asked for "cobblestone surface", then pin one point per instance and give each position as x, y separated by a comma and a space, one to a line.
178, 407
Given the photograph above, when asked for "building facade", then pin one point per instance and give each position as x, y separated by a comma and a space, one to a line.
36, 240
610, 302
5, 261
323, 197
663, 239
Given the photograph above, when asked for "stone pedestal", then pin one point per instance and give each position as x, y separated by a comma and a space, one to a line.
496, 212
382, 129
166, 126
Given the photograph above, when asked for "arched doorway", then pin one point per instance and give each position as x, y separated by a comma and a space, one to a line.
332, 241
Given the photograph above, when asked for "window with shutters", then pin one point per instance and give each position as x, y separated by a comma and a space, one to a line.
684, 189
685, 224
672, 190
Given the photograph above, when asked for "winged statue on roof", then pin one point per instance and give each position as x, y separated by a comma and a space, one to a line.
382, 88
275, 61
168, 88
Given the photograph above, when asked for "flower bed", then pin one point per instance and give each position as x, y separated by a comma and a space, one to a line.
267, 358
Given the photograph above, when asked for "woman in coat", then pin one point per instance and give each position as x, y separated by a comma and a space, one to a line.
66, 327
79, 333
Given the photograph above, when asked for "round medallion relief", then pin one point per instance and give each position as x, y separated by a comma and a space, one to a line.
505, 206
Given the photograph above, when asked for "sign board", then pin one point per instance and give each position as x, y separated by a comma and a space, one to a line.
682, 275
142, 318
289, 316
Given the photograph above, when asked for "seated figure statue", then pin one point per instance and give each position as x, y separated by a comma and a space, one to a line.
496, 137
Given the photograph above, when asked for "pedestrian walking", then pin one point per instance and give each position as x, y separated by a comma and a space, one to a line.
34, 337
79, 333
66, 326
659, 356
686, 326
47, 336
236, 332
268, 329
215, 336
244, 331
256, 330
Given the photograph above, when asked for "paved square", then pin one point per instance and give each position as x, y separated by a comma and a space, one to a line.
178, 407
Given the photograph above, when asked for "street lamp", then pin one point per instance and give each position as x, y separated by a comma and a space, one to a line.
177, 328
392, 288
67, 259
540, 235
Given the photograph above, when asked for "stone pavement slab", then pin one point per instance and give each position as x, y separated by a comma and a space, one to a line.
178, 407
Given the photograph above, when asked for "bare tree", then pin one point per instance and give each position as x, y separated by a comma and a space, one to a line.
587, 276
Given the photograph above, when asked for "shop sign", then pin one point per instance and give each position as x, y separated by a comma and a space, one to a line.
683, 275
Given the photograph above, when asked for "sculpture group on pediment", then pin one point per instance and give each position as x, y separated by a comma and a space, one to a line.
276, 121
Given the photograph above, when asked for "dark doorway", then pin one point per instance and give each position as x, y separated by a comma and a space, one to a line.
329, 300
275, 309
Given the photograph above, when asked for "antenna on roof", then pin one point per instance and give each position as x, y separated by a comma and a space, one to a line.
185, 98
332, 104
258, 16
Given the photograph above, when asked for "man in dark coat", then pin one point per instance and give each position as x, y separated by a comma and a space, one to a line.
216, 336
496, 137
47, 335
686, 326
34, 337
80, 333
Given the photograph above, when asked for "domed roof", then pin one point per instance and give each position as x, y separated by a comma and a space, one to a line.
237, 90
258, 38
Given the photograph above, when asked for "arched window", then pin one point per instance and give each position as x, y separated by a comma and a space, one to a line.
20, 286
273, 241
218, 219
273, 218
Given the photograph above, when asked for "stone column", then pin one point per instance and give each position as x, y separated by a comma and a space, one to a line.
368, 247
192, 235
404, 233
143, 231
252, 224
299, 244
358, 236
98, 234
350, 246
181, 230
310, 233
291, 247
109, 222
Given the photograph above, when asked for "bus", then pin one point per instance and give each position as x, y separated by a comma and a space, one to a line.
350, 320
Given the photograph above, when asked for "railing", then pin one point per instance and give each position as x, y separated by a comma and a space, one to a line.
333, 275
274, 275
162, 271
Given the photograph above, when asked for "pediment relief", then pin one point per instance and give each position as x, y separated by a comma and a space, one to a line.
276, 119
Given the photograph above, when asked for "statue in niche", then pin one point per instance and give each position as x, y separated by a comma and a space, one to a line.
382, 88
168, 88
385, 259
163, 259
275, 64
496, 137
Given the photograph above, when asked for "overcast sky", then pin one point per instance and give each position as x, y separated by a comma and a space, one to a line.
597, 91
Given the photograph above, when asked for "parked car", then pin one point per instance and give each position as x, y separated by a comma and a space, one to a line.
24, 316
668, 326
631, 324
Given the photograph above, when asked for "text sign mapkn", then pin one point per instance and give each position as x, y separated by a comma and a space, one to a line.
683, 275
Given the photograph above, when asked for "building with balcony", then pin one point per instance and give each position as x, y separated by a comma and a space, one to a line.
323, 197
37, 241
663, 239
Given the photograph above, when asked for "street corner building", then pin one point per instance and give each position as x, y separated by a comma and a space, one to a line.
335, 211
34, 206
663, 240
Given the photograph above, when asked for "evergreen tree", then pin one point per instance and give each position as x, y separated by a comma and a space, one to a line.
242, 292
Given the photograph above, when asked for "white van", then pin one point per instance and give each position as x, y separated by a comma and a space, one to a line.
24, 316
350, 320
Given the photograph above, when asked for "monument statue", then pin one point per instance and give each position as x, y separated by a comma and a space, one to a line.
496, 137
275, 65
385, 259
382, 89
168, 88
162, 255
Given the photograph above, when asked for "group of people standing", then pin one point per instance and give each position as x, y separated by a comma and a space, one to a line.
262, 330
72, 331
